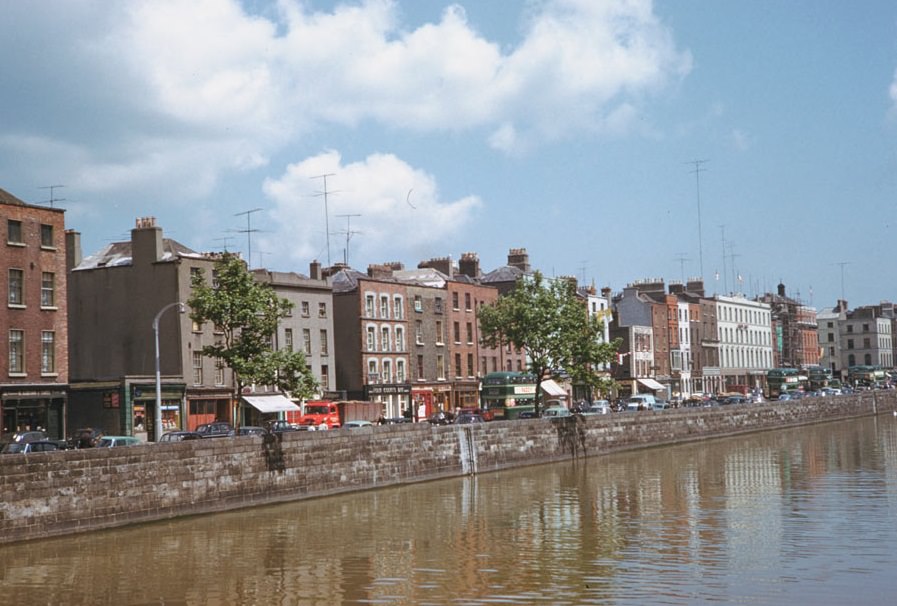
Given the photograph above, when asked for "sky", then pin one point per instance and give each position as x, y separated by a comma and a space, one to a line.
745, 142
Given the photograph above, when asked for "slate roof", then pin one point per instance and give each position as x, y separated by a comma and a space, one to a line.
119, 253
8, 198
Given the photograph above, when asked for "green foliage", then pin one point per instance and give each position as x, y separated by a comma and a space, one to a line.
247, 314
550, 324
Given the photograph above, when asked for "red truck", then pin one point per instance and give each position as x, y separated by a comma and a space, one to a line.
334, 415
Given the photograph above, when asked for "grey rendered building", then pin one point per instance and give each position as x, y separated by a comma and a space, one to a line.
309, 327
114, 296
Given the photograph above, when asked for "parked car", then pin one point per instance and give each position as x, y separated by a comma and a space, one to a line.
469, 417
22, 437
117, 441
598, 407
252, 430
553, 412
217, 429
179, 436
86, 437
29, 447
358, 424
280, 426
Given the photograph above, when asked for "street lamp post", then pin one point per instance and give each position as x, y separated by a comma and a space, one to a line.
157, 418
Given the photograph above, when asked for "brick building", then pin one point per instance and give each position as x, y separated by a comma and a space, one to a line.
34, 327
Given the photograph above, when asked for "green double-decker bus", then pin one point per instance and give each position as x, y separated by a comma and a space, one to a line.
781, 380
505, 395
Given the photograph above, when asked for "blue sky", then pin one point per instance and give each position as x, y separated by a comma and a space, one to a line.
568, 127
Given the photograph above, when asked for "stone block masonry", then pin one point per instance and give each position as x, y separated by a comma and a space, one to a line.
51, 494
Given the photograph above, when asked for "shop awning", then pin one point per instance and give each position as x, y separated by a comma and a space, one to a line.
652, 384
273, 403
551, 388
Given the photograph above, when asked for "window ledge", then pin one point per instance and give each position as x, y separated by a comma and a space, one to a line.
16, 306
19, 244
49, 308
18, 375
49, 374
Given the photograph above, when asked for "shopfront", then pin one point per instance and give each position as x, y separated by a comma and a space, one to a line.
33, 408
396, 397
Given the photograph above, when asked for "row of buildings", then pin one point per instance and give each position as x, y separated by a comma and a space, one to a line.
80, 332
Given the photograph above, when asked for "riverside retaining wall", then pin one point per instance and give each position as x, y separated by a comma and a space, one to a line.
50, 494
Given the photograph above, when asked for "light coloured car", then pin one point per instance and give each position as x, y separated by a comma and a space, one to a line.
117, 441
598, 407
556, 412
358, 424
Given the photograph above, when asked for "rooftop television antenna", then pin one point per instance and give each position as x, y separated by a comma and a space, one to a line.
326, 212
53, 197
699, 168
248, 231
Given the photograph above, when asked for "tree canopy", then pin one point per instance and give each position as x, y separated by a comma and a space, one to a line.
552, 326
247, 314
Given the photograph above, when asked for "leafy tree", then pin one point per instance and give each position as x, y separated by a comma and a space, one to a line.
247, 313
550, 324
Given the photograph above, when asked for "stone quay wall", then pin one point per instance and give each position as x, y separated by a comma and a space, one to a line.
51, 494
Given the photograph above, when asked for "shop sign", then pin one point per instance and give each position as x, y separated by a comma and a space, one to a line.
381, 390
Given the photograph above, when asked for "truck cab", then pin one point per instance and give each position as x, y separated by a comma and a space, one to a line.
321, 414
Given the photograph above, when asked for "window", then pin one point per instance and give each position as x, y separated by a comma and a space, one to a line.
470, 333
369, 306
47, 352
400, 371
455, 304
418, 304
458, 369
470, 365
437, 305
384, 307
387, 371
438, 332
322, 309
419, 332
849, 343
325, 377
16, 277
372, 338
306, 341
195, 326
46, 236
440, 367
197, 368
373, 375
325, 348
14, 232
831, 337
467, 301
16, 351
850, 328
866, 343
384, 338
400, 338
219, 373
397, 308
457, 331
288, 339
304, 309
420, 367
48, 289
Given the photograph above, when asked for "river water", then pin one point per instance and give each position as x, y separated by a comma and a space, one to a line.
800, 516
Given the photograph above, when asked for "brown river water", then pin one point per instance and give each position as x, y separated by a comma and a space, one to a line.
799, 516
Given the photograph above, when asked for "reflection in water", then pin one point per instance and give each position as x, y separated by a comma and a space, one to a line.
796, 516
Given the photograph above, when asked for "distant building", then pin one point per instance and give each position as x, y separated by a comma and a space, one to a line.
795, 330
34, 369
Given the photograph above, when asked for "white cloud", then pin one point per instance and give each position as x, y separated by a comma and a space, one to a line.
187, 91
399, 209
741, 139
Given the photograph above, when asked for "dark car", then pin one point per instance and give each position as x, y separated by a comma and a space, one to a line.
179, 436
252, 430
86, 437
22, 437
279, 426
469, 417
29, 447
218, 429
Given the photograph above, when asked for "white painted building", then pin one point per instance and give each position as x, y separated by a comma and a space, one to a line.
744, 328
